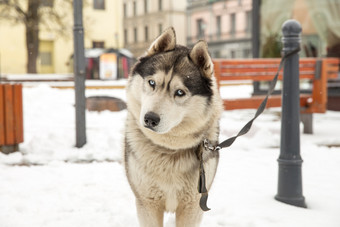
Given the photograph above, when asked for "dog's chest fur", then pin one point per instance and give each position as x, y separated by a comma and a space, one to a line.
157, 174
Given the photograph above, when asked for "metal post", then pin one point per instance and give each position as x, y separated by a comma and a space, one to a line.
79, 72
255, 31
290, 179
255, 37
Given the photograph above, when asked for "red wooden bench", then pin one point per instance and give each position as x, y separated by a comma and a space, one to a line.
11, 117
317, 70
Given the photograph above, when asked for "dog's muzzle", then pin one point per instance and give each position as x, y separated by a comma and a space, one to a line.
151, 120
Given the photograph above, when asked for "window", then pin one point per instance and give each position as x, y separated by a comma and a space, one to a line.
232, 24
47, 3
232, 54
146, 6
135, 35
146, 33
246, 53
217, 54
218, 26
125, 37
200, 28
124, 10
160, 29
98, 44
160, 5
248, 22
134, 8
46, 58
99, 4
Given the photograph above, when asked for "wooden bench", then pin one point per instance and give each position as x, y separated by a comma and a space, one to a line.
11, 117
316, 70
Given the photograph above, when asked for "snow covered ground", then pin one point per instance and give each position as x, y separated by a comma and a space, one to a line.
51, 183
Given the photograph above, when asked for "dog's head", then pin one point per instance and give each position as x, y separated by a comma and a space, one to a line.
172, 87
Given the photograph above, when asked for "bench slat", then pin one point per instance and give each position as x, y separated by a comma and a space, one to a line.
2, 115
9, 121
260, 77
266, 61
261, 69
255, 101
18, 113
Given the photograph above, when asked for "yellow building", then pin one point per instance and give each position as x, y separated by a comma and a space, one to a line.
102, 26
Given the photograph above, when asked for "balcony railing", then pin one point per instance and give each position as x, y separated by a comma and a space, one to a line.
230, 36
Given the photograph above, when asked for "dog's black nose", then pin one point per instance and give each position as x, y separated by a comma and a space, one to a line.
151, 119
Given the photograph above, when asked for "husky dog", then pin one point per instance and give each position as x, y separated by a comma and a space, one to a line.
173, 105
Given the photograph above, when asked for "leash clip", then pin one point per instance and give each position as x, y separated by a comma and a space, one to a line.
209, 147
201, 182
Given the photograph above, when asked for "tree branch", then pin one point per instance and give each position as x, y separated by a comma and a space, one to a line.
8, 6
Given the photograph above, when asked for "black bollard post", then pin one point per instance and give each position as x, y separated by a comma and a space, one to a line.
290, 177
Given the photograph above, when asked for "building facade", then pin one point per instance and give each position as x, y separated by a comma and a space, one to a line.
102, 27
144, 20
224, 24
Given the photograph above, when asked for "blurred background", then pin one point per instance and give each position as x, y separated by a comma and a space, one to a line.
36, 35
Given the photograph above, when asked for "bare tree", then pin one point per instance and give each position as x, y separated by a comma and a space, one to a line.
33, 13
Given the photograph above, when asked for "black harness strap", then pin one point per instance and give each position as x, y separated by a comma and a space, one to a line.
228, 142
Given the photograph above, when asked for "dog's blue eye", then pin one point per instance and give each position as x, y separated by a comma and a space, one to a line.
179, 93
152, 83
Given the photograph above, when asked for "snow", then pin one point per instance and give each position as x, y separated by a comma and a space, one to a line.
51, 183
94, 52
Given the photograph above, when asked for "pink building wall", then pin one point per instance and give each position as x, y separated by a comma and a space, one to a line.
224, 9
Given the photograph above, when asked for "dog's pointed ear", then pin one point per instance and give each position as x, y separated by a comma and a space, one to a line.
165, 42
201, 58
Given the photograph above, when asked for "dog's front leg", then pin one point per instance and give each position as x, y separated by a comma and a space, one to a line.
150, 214
189, 215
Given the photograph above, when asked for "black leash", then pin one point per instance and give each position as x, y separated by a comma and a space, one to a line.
227, 143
